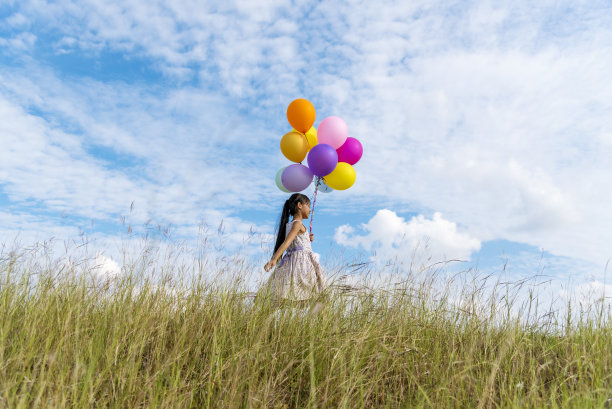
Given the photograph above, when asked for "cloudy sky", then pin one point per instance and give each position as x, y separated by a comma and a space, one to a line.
487, 127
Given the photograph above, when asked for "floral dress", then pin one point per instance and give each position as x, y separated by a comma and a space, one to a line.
298, 276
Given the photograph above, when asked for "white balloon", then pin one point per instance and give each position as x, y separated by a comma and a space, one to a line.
324, 188
279, 182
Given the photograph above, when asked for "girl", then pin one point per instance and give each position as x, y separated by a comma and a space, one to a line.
298, 276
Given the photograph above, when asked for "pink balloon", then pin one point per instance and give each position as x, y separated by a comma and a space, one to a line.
350, 152
332, 131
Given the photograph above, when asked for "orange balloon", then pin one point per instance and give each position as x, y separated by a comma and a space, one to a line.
301, 114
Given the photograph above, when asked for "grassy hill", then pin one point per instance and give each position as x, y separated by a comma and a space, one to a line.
68, 343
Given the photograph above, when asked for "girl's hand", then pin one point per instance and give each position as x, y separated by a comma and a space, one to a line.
269, 265
311, 237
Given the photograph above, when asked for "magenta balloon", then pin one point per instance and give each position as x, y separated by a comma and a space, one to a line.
322, 159
296, 177
350, 152
332, 131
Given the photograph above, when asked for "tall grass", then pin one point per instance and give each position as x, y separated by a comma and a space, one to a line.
69, 341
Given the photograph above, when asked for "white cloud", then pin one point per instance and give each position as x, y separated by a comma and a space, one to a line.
35, 164
420, 240
20, 228
246, 45
588, 292
166, 155
589, 299
499, 128
173, 154
19, 43
105, 268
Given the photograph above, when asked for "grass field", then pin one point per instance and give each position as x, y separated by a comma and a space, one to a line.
66, 342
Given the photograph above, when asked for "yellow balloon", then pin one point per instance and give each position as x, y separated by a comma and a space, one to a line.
342, 177
311, 136
294, 146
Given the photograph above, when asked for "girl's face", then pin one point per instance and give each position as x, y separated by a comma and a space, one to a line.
303, 209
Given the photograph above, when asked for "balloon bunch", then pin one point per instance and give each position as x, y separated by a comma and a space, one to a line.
331, 152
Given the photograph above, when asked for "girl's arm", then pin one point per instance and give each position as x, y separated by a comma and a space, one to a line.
295, 229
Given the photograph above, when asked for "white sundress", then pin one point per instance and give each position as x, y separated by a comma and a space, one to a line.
298, 276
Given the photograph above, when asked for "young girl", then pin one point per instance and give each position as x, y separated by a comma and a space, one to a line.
298, 276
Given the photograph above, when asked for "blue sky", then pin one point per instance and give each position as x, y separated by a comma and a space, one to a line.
487, 127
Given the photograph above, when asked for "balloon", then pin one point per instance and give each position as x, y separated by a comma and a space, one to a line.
324, 188
322, 159
301, 114
279, 182
350, 152
332, 131
294, 146
311, 137
342, 177
296, 177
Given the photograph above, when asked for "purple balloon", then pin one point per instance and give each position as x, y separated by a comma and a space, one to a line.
322, 159
296, 177
350, 152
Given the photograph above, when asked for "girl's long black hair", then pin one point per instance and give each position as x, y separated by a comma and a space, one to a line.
289, 209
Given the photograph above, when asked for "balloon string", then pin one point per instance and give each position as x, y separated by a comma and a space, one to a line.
314, 201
